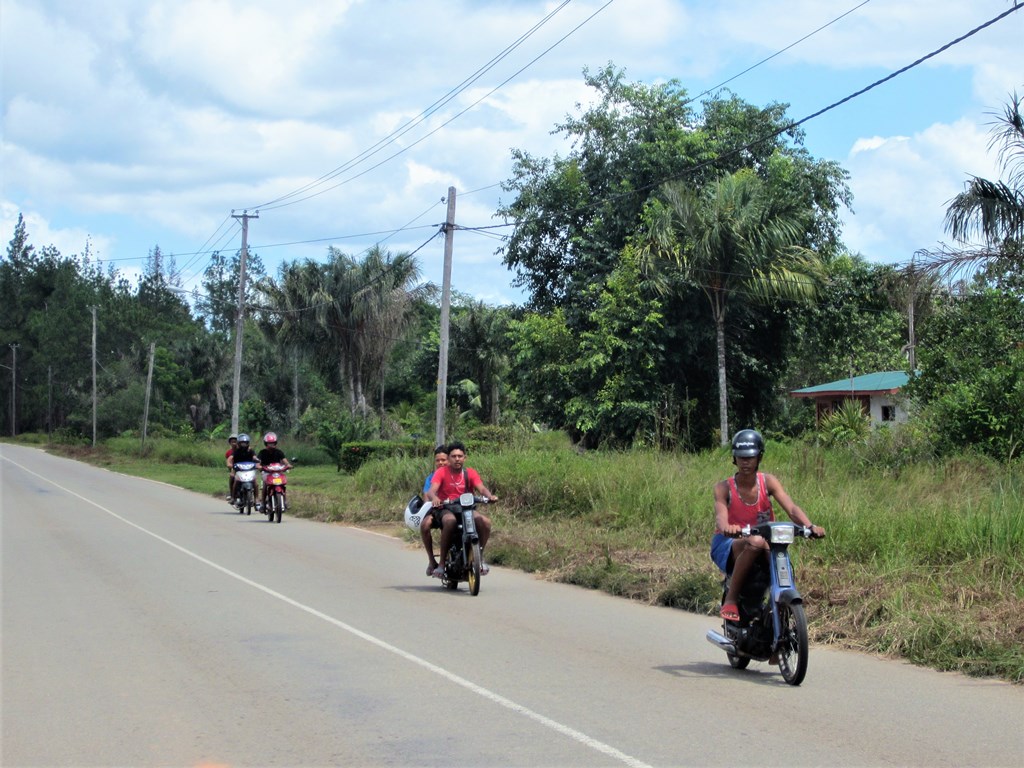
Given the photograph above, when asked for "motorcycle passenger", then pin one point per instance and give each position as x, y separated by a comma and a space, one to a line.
429, 520
447, 484
270, 454
242, 452
232, 442
746, 499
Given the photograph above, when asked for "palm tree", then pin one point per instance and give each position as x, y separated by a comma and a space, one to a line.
733, 236
990, 210
479, 332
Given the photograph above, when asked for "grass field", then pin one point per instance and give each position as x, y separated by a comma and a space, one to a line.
926, 564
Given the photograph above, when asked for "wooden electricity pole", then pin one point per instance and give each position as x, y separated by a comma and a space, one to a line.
240, 320
14, 390
149, 388
446, 294
94, 403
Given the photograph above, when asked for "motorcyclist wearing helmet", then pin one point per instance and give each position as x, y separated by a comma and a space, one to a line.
270, 454
746, 499
232, 442
242, 452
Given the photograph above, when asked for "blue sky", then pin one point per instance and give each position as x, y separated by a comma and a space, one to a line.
133, 124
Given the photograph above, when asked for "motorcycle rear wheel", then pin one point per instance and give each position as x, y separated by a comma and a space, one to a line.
738, 662
793, 650
451, 567
473, 553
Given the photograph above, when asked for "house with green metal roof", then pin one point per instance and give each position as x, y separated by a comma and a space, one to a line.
878, 394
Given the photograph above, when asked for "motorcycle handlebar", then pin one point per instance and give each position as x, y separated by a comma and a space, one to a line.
746, 531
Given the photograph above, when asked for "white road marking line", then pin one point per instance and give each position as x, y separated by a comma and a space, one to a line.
496, 698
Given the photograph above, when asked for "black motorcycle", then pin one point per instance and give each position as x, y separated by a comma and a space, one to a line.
464, 560
772, 625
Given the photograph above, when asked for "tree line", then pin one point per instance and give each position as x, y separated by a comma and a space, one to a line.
684, 269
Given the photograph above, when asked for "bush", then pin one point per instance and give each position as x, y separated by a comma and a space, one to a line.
351, 456
846, 425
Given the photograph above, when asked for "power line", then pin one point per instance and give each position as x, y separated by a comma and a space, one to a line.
780, 52
785, 129
450, 120
410, 124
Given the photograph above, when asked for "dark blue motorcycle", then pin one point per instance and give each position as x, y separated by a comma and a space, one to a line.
772, 625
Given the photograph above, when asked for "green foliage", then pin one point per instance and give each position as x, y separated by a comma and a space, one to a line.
333, 434
846, 425
852, 325
255, 416
889, 449
352, 456
971, 383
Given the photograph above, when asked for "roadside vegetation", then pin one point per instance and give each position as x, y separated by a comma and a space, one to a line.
684, 270
925, 563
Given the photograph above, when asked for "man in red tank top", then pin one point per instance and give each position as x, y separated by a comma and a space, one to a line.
448, 483
746, 499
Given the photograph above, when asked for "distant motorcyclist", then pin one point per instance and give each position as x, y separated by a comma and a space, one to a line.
232, 442
242, 452
447, 484
270, 454
746, 499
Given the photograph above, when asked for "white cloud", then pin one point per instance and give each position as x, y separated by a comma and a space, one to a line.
148, 121
902, 186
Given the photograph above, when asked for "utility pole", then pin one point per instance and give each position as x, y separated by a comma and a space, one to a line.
149, 387
240, 320
14, 390
93, 376
446, 294
911, 340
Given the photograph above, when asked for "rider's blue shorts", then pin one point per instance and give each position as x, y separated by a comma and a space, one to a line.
721, 547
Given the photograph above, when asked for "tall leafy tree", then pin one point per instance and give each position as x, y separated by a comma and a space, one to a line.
734, 240
480, 347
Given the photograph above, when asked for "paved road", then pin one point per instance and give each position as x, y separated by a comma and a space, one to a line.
144, 625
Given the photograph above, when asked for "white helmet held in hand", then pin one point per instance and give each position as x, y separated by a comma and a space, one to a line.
415, 510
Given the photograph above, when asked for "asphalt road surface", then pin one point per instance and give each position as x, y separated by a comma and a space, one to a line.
143, 625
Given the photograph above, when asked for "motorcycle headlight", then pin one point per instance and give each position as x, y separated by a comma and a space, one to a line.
783, 534
467, 500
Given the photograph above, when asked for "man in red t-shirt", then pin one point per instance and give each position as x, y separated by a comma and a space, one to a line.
447, 484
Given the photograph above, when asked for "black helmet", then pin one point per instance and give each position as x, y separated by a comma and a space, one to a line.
243, 438
747, 442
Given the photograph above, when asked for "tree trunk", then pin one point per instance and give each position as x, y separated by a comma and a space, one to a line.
723, 392
495, 414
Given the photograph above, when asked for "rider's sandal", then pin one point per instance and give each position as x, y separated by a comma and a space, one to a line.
484, 569
431, 569
730, 612
438, 572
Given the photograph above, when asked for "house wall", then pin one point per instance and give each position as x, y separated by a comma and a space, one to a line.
875, 406
880, 404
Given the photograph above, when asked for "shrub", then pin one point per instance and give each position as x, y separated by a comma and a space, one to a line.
845, 425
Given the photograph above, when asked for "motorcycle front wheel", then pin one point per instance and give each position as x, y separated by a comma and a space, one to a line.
248, 502
278, 506
473, 553
793, 649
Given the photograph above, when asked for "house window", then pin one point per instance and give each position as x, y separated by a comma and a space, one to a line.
888, 413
